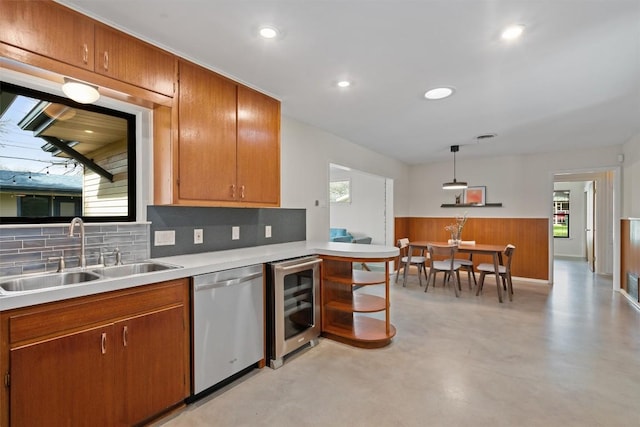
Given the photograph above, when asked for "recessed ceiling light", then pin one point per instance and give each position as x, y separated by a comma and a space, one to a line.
344, 83
512, 32
439, 93
268, 32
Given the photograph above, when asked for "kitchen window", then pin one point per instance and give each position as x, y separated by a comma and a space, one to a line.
561, 213
61, 159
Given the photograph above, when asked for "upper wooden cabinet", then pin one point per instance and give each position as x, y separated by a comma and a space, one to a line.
229, 141
128, 59
48, 29
59, 33
258, 163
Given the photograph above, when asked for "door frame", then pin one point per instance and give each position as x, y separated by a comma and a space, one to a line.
612, 229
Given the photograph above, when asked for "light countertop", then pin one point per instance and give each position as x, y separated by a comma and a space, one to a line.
194, 264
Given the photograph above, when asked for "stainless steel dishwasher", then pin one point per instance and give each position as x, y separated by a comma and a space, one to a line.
228, 324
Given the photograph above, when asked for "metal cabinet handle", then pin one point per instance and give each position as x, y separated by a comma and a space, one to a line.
242, 192
103, 344
233, 191
106, 60
125, 335
85, 53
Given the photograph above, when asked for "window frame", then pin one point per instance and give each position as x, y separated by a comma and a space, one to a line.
132, 161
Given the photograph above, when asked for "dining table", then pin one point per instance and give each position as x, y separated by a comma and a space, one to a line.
495, 251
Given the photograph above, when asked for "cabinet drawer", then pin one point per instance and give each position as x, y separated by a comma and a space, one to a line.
41, 322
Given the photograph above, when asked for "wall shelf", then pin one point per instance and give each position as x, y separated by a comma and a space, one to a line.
470, 205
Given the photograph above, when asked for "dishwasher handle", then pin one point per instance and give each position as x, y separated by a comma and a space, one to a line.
225, 283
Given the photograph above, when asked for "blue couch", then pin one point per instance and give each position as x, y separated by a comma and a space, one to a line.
340, 235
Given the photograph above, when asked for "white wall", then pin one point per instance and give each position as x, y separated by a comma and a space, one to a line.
306, 154
631, 178
522, 184
365, 214
575, 245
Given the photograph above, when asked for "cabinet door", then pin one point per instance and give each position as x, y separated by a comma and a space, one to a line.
258, 147
48, 29
66, 381
151, 375
207, 135
130, 60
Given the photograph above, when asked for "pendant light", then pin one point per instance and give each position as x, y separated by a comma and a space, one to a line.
80, 92
454, 185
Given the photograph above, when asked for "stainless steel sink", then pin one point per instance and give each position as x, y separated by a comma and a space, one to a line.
53, 280
49, 280
131, 269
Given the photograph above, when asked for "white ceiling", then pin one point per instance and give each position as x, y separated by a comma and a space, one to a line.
572, 81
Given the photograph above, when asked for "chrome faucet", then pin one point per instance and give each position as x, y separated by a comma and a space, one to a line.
74, 221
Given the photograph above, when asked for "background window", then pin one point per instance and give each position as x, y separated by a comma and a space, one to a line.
561, 213
340, 191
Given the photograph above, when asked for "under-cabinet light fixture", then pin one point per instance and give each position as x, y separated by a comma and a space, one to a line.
80, 92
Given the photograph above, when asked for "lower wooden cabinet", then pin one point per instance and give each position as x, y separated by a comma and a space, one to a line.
110, 360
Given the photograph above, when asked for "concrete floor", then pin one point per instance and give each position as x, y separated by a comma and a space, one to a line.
567, 355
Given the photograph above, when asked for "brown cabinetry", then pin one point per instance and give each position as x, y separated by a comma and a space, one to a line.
355, 303
113, 359
54, 31
229, 141
48, 29
130, 60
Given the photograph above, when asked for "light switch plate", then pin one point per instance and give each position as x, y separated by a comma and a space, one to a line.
267, 231
235, 233
164, 238
198, 237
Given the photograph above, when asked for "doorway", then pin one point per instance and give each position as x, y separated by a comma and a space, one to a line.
362, 204
600, 220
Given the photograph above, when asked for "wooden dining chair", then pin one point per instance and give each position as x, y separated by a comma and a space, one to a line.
503, 270
417, 260
448, 266
466, 264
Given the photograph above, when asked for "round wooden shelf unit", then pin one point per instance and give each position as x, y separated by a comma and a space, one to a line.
345, 313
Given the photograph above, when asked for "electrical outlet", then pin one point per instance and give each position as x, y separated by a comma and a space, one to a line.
197, 236
164, 238
267, 231
235, 233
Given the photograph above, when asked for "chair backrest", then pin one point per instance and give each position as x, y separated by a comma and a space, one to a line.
508, 252
447, 251
403, 243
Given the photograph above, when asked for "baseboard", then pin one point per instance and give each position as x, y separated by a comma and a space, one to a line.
630, 298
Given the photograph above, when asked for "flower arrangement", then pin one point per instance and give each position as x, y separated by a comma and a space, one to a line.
456, 229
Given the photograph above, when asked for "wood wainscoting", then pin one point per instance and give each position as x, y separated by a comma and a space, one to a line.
630, 250
530, 236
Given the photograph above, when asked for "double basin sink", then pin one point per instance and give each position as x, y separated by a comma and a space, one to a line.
53, 280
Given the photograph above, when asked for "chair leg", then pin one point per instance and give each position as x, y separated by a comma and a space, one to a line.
510, 283
480, 283
458, 278
419, 267
456, 283
431, 273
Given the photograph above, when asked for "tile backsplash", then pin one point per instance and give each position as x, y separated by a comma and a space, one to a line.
34, 249
216, 225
